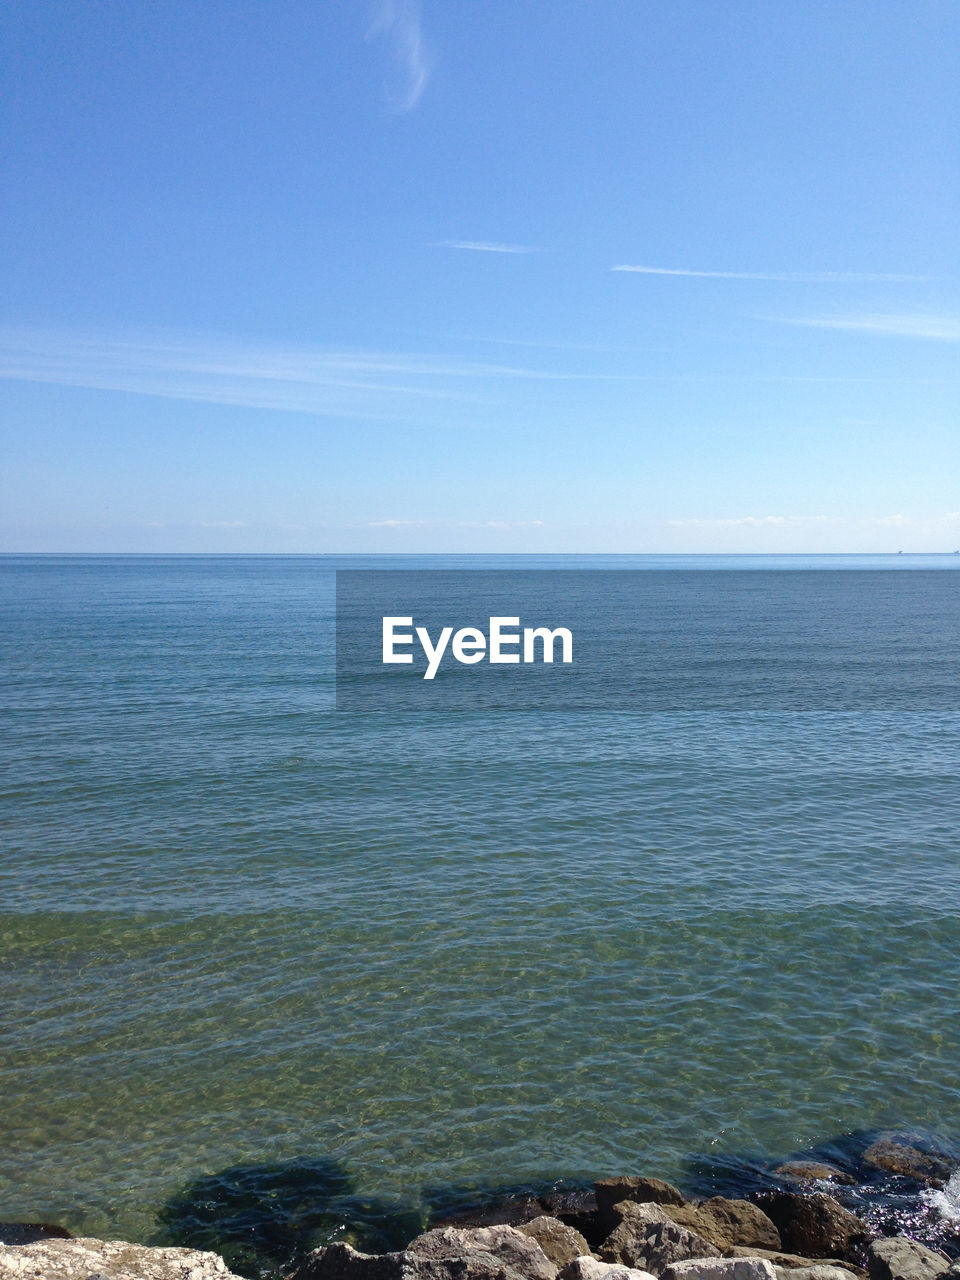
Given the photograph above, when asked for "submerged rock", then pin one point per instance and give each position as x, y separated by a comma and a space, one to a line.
815, 1226
559, 1242
86, 1259
898, 1258
31, 1232
728, 1223
907, 1162
812, 1171
648, 1238
509, 1211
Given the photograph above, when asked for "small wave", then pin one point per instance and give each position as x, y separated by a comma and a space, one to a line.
947, 1201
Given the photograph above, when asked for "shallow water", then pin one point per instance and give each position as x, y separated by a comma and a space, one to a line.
423, 953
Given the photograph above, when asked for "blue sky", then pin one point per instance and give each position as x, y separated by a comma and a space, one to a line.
340, 276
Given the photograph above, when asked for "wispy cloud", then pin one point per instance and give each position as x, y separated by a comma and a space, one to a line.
500, 524
454, 524
375, 385
485, 246
749, 522
896, 521
926, 524
398, 22
936, 328
949, 520
783, 277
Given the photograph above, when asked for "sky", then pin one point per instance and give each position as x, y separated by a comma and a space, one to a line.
479, 275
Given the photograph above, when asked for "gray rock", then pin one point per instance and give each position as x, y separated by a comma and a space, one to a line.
590, 1268
822, 1271
341, 1262
794, 1262
815, 1226
728, 1224
721, 1269
509, 1249
559, 1242
648, 1239
898, 1258
86, 1259
613, 1191
907, 1162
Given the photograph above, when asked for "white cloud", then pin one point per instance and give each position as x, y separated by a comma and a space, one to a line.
783, 277
485, 246
938, 328
398, 21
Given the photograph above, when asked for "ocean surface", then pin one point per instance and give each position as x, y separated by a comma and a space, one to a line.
256, 950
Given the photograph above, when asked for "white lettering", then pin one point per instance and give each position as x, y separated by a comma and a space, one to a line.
469, 645
390, 639
544, 634
499, 637
433, 654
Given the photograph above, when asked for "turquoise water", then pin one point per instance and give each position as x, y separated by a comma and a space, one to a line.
432, 952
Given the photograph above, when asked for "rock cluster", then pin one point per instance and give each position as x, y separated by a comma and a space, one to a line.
645, 1229
628, 1229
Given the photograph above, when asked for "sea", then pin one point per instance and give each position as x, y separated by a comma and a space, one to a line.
273, 972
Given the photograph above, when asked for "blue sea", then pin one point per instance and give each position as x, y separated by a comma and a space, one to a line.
373, 962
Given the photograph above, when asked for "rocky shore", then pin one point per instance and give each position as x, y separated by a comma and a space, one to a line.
626, 1228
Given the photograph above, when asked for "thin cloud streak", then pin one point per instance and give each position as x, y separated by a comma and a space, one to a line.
398, 21
749, 522
935, 328
485, 246
782, 277
946, 522
454, 524
379, 386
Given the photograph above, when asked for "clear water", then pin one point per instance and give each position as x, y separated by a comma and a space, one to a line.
415, 954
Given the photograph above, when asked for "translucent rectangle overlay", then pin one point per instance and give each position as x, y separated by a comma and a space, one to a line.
689, 640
